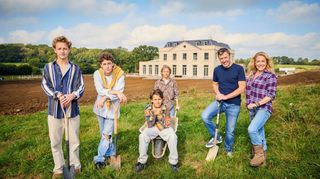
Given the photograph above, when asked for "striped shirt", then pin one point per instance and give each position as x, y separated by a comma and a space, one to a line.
53, 82
264, 85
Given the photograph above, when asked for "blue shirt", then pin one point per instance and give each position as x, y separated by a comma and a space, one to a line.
227, 79
53, 82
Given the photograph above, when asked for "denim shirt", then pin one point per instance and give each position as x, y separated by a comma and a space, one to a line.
98, 83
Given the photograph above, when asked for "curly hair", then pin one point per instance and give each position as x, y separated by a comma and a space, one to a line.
106, 56
252, 66
61, 39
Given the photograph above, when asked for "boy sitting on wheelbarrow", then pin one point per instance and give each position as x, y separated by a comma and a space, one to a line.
159, 123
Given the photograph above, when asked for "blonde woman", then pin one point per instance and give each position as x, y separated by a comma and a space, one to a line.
260, 91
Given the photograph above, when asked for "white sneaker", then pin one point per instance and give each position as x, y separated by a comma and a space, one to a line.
230, 154
211, 142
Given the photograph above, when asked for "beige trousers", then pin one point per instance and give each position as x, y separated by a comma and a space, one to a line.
56, 131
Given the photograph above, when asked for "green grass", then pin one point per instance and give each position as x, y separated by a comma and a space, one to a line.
292, 134
12, 63
304, 67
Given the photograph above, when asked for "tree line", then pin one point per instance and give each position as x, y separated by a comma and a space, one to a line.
284, 60
34, 57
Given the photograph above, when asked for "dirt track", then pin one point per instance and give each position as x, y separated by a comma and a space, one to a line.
26, 96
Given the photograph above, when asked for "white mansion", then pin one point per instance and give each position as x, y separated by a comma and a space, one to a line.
187, 59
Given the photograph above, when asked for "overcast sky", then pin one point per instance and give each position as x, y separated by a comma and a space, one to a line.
290, 28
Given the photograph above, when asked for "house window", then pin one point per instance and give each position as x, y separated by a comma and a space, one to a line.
195, 56
165, 56
174, 69
144, 69
174, 56
184, 56
150, 69
205, 70
205, 42
206, 56
194, 70
156, 69
184, 69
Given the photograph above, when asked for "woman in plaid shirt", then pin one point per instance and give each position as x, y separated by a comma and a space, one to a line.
260, 91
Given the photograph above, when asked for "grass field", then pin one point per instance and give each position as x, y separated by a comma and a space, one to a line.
292, 135
304, 67
12, 63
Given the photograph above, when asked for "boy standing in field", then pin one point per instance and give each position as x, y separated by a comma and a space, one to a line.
62, 82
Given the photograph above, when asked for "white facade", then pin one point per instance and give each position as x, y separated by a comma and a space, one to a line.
187, 59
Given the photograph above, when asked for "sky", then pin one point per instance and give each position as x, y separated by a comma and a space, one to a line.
277, 27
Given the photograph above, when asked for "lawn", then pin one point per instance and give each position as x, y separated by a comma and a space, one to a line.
292, 134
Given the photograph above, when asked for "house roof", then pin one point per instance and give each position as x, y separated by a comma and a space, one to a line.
198, 43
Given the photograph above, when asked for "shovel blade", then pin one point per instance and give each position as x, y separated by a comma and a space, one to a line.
69, 173
212, 153
115, 162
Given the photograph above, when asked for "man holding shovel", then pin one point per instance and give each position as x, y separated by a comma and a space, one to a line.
62, 82
228, 83
109, 83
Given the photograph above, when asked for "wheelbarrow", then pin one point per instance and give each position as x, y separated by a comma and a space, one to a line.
159, 146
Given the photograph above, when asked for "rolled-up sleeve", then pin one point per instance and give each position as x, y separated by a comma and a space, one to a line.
272, 86
80, 90
99, 84
119, 86
176, 90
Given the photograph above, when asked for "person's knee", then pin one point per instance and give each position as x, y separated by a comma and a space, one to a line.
144, 137
252, 130
205, 116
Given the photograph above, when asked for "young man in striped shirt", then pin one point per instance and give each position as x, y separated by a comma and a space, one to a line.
62, 82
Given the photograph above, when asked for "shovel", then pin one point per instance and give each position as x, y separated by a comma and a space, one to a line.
214, 150
68, 171
115, 161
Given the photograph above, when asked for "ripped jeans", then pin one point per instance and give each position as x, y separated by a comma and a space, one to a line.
106, 147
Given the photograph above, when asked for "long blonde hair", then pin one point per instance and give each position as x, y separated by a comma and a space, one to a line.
252, 67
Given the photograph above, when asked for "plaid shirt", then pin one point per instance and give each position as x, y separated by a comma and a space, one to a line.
264, 85
170, 91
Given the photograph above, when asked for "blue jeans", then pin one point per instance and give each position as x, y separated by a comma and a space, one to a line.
106, 147
172, 111
232, 112
258, 118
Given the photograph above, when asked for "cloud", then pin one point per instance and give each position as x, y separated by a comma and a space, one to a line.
26, 6
93, 36
207, 5
100, 7
22, 36
87, 7
18, 21
171, 8
122, 34
201, 9
245, 44
296, 12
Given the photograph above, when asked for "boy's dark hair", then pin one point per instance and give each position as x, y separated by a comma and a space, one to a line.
156, 92
61, 39
106, 56
222, 50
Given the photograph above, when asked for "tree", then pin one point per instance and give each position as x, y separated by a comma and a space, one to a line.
142, 53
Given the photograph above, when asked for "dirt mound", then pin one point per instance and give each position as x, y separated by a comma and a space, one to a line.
306, 77
26, 96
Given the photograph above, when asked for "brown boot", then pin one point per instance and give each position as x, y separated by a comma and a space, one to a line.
259, 156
